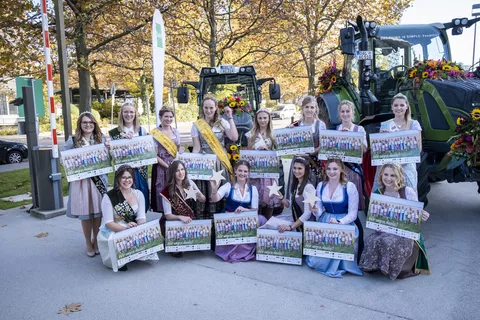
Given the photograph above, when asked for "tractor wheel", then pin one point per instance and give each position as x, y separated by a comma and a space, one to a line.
423, 184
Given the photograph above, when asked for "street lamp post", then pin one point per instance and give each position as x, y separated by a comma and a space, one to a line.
475, 13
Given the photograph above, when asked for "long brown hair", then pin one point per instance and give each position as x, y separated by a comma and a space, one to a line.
343, 174
256, 129
295, 181
217, 120
136, 121
171, 183
97, 133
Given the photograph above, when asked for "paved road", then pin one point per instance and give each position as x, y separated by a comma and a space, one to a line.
40, 276
44, 139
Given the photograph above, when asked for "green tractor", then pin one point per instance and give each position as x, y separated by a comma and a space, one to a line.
226, 80
377, 60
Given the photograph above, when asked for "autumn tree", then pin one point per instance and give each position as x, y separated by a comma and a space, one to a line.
313, 27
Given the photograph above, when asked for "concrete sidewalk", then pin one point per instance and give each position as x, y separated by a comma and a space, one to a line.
40, 275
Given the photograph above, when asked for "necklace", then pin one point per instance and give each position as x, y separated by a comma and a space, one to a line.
129, 194
399, 125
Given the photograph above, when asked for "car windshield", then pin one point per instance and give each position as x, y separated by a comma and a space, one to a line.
280, 108
227, 84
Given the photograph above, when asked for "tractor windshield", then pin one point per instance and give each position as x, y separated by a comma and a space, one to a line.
223, 85
408, 44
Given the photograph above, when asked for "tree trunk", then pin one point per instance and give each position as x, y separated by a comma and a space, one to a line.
83, 68
97, 88
311, 71
212, 48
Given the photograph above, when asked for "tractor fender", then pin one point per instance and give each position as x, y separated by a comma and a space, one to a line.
372, 123
328, 108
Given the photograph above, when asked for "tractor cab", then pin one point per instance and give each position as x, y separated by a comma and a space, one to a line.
227, 81
397, 48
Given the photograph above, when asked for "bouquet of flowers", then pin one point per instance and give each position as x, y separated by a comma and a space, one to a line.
329, 77
437, 70
236, 103
465, 145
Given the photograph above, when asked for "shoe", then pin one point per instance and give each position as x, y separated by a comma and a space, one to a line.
97, 252
91, 254
177, 254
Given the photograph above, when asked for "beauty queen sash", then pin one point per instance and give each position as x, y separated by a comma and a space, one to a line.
214, 144
178, 204
165, 141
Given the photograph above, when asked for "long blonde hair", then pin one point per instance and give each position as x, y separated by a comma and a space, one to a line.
136, 121
408, 112
397, 171
217, 120
97, 133
343, 174
349, 104
256, 129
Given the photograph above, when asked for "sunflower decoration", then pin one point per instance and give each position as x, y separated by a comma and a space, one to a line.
233, 152
475, 114
436, 70
465, 144
329, 77
236, 103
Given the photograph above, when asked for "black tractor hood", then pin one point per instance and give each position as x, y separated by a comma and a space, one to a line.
461, 94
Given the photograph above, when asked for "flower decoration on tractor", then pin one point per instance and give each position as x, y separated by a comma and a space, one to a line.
236, 103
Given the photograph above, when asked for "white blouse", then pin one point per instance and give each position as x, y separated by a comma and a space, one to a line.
360, 129
338, 197
131, 129
224, 191
309, 188
167, 207
107, 207
226, 126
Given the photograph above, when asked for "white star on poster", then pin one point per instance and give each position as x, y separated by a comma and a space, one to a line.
310, 198
191, 193
274, 189
217, 176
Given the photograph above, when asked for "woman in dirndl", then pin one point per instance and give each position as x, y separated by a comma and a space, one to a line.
129, 127
164, 158
338, 204
85, 195
261, 137
300, 187
240, 196
402, 121
175, 204
123, 207
220, 129
354, 171
395, 256
309, 117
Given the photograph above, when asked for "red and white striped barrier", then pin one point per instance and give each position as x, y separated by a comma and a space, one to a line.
48, 64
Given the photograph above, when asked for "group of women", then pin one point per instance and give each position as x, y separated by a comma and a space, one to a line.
338, 185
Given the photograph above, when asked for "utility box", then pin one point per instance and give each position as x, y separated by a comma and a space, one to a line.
49, 187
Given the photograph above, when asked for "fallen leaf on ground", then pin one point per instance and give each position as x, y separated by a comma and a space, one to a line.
4, 225
72, 307
22, 207
42, 235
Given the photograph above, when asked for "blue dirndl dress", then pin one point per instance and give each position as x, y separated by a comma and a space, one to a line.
335, 268
238, 252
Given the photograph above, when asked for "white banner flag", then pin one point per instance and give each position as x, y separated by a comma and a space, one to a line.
158, 57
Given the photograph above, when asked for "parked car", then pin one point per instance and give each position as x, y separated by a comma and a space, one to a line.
284, 111
12, 152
